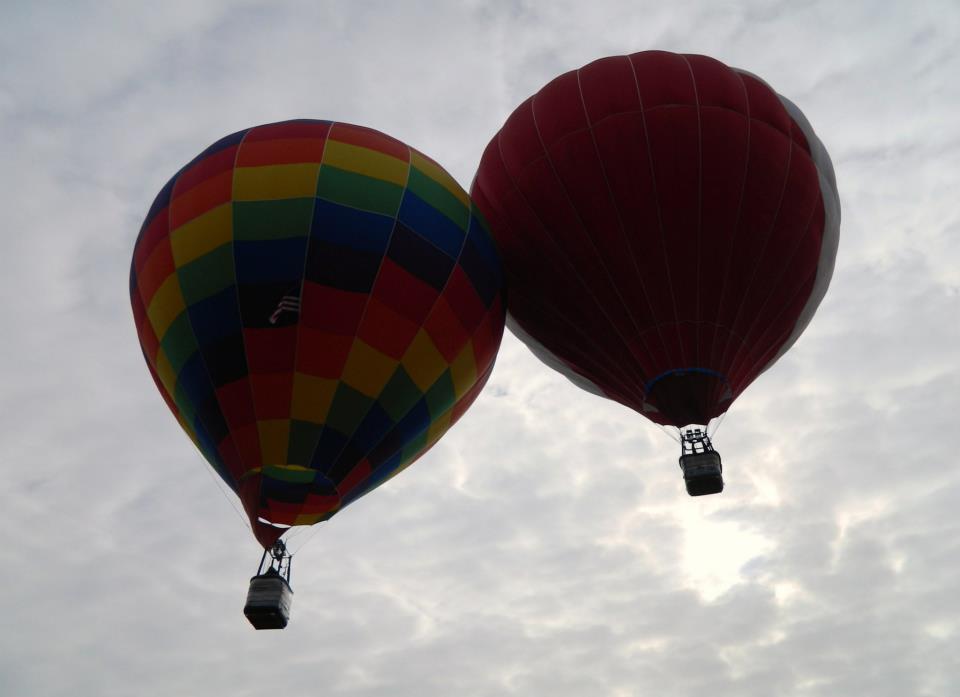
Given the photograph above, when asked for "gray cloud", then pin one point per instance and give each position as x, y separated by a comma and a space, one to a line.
546, 544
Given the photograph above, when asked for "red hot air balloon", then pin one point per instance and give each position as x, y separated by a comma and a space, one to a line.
668, 227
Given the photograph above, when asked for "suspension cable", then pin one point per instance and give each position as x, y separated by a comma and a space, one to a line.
233, 505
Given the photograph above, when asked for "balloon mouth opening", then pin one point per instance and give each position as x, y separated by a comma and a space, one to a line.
270, 523
688, 396
267, 532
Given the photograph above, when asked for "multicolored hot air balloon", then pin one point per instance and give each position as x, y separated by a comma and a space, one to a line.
318, 303
668, 227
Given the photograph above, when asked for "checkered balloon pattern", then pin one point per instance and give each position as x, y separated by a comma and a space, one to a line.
318, 303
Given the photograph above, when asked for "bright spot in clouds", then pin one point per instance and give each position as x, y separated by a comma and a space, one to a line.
716, 552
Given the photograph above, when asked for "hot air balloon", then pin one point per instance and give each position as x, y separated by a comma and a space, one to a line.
668, 226
318, 304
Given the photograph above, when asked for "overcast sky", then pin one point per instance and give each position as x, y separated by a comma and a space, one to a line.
546, 545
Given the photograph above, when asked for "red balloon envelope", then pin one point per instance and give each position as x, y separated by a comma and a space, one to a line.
668, 227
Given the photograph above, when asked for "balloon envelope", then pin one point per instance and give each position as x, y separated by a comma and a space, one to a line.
318, 303
668, 227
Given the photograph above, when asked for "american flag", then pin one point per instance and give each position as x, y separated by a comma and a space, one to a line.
288, 303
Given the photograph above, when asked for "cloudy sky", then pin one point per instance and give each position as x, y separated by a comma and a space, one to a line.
546, 546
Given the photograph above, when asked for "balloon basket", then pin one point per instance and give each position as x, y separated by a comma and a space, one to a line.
701, 465
270, 595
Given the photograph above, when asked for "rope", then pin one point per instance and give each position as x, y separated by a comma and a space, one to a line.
717, 427
219, 483
303, 544
671, 431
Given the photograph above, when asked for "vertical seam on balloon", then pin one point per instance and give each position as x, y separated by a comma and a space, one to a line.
606, 183
598, 349
775, 345
611, 374
366, 304
186, 309
799, 241
763, 249
243, 340
628, 386
623, 231
335, 459
830, 231
736, 228
771, 352
143, 301
696, 322
358, 487
456, 265
656, 197
566, 193
303, 306
561, 256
